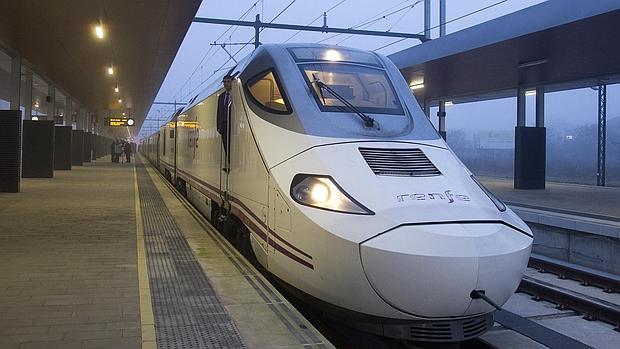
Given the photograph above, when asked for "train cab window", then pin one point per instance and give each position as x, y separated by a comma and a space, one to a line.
265, 90
367, 88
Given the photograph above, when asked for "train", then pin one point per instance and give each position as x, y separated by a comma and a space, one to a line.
331, 177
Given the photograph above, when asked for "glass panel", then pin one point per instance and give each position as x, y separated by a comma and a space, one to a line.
482, 136
266, 92
366, 88
305, 54
39, 97
60, 112
25, 93
5, 80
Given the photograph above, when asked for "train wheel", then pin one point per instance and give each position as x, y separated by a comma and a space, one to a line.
181, 187
243, 243
215, 217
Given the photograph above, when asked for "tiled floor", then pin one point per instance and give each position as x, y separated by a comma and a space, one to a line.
71, 267
68, 276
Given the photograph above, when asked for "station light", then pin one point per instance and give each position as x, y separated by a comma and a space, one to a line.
120, 100
416, 86
530, 93
332, 55
36, 104
449, 103
35, 118
116, 89
99, 31
123, 113
130, 122
110, 70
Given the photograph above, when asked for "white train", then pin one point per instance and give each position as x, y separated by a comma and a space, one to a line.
341, 188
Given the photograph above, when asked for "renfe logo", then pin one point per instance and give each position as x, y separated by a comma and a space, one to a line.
446, 195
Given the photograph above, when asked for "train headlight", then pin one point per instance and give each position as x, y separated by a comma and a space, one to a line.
323, 192
498, 203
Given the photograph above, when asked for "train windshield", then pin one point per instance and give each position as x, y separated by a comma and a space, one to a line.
366, 88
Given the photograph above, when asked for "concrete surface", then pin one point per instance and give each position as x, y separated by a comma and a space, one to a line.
68, 255
573, 198
264, 318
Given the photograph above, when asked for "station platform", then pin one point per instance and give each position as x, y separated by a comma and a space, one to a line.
575, 199
107, 256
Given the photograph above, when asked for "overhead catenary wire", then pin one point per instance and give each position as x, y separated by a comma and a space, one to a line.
367, 21
450, 21
231, 56
316, 19
204, 58
406, 9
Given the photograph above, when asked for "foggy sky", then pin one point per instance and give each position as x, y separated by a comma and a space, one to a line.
562, 109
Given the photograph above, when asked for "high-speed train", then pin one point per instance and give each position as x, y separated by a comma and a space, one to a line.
336, 182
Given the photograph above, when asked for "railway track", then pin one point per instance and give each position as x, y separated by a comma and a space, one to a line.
592, 308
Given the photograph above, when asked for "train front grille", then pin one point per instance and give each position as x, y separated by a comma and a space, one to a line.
409, 162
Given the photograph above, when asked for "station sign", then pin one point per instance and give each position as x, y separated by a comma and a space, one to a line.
116, 122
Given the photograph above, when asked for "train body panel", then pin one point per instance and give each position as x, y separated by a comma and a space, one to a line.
361, 207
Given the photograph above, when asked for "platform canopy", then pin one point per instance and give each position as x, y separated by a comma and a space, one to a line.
559, 44
141, 40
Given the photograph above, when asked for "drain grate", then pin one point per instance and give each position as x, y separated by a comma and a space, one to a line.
187, 312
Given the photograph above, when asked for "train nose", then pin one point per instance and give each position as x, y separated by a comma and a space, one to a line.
430, 270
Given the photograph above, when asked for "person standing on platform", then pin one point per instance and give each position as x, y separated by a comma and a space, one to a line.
118, 150
112, 150
223, 107
127, 150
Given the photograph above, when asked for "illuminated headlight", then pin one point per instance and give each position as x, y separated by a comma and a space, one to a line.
498, 203
323, 192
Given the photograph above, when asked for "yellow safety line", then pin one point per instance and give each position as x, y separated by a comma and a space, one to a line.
147, 322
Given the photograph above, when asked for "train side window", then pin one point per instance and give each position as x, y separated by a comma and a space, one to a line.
265, 90
171, 133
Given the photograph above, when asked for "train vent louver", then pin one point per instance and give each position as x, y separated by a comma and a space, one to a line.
410, 162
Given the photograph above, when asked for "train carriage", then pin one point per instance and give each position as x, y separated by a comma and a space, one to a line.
338, 184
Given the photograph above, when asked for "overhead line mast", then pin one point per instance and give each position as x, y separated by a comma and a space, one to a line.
258, 25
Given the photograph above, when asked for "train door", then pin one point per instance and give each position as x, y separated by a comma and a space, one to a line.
225, 109
157, 149
248, 178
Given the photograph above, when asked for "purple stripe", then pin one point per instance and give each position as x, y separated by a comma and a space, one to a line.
243, 212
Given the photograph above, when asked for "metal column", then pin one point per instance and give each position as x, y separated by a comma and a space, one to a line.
257, 31
442, 31
427, 110
427, 19
16, 82
602, 134
540, 107
442, 17
28, 96
68, 118
521, 106
442, 119
51, 105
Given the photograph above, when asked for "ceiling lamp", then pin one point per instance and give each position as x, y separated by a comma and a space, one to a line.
99, 31
116, 89
110, 70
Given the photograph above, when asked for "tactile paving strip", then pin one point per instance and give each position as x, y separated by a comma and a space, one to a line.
186, 309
